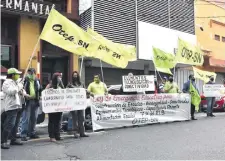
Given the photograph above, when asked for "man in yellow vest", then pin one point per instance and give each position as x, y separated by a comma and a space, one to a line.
97, 87
171, 86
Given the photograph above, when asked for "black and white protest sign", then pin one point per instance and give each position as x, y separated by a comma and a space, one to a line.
133, 83
61, 100
214, 90
127, 110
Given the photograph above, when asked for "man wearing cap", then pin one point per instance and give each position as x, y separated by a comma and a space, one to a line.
33, 88
210, 101
12, 105
186, 89
161, 86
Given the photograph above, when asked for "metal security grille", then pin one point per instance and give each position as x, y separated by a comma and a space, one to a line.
154, 12
116, 19
182, 16
85, 19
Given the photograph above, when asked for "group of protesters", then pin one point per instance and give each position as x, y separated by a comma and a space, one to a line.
22, 97
170, 86
21, 102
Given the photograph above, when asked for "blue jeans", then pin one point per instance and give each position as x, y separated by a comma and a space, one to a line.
210, 104
29, 119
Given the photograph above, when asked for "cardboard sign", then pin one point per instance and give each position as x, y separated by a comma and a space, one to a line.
61, 100
214, 90
138, 83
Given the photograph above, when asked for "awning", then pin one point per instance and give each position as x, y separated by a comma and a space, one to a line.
217, 62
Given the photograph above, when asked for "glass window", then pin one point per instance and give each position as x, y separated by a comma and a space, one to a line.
223, 39
6, 56
217, 37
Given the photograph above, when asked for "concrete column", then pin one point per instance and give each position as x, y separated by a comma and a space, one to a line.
29, 31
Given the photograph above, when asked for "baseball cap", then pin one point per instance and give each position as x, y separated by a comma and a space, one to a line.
32, 70
13, 71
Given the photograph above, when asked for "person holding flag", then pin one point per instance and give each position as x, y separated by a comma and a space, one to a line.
171, 86
190, 87
12, 90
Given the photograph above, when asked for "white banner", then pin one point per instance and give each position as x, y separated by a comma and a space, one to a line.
127, 110
133, 83
214, 90
61, 100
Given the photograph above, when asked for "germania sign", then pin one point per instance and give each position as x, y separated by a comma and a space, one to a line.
29, 7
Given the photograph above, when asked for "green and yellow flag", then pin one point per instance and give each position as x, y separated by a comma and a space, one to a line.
62, 32
203, 75
195, 97
189, 54
109, 52
127, 51
164, 70
163, 61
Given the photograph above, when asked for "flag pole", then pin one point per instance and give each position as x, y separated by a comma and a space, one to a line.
30, 60
81, 65
102, 71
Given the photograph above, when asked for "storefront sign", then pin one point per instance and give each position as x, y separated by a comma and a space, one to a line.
133, 83
61, 100
127, 110
29, 7
214, 90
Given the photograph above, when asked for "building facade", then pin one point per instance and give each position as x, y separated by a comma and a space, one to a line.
210, 31
21, 24
116, 20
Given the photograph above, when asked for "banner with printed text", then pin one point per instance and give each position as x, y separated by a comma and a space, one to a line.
162, 59
62, 32
62, 100
115, 54
203, 75
189, 54
138, 83
214, 90
114, 111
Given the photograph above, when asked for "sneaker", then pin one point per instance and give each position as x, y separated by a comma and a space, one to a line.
211, 115
59, 139
52, 140
5, 146
16, 142
76, 136
84, 135
193, 118
34, 137
24, 139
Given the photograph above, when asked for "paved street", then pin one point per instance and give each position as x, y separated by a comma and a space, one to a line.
201, 139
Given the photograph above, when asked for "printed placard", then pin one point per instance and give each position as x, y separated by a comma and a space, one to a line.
62, 100
214, 90
138, 83
127, 110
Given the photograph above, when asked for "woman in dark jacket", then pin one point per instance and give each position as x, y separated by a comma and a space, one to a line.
77, 116
54, 119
